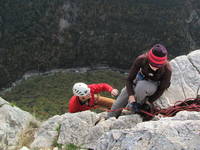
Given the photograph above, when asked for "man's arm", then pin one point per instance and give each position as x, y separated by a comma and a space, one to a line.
101, 87
73, 105
164, 84
133, 73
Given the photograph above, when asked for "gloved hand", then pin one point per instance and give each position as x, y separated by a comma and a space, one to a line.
134, 107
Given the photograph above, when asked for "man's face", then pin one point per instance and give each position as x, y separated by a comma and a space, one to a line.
84, 98
153, 68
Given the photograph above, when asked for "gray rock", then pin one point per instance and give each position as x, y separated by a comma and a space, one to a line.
47, 133
154, 135
13, 122
185, 79
79, 129
2, 102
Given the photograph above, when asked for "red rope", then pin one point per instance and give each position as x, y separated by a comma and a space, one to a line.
190, 104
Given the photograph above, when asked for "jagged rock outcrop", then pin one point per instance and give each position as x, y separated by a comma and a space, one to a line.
13, 121
185, 79
176, 133
127, 132
79, 129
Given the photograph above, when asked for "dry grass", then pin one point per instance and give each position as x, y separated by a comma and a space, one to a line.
27, 136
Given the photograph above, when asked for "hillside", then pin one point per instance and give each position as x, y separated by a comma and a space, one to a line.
43, 35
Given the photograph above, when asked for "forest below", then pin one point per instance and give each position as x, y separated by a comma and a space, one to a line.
42, 35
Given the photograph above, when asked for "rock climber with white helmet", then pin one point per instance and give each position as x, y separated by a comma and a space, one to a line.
85, 96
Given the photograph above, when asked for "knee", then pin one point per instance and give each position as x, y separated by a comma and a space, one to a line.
145, 88
141, 88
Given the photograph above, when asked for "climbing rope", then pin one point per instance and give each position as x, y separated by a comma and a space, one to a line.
190, 104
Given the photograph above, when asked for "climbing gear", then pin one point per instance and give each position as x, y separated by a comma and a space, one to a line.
190, 104
80, 89
140, 76
134, 107
148, 112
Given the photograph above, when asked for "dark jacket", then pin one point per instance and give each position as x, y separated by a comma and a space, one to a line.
163, 75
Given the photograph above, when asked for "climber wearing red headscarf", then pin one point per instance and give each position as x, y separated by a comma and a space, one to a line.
149, 76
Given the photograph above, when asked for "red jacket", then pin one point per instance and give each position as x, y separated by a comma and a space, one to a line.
74, 104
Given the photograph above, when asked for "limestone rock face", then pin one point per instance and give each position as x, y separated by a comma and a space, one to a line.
185, 79
47, 132
13, 121
125, 133
79, 129
168, 133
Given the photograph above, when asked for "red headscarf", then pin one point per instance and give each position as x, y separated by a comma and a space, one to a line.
157, 55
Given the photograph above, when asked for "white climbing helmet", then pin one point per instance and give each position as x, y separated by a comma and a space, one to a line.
81, 89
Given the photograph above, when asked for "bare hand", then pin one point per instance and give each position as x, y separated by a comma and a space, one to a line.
131, 99
114, 92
